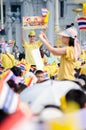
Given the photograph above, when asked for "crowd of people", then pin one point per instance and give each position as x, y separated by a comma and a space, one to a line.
33, 98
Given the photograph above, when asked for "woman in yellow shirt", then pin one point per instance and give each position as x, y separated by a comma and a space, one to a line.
69, 53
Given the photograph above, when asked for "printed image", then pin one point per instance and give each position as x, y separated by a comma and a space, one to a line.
33, 21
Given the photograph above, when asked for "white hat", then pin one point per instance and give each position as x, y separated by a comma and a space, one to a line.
69, 32
72, 32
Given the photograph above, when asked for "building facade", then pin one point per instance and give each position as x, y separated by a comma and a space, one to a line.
61, 15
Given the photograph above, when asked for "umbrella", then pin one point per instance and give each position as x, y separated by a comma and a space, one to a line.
48, 92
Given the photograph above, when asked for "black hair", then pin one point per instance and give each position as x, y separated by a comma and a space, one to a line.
77, 96
21, 56
82, 76
38, 72
71, 42
21, 87
12, 85
16, 71
18, 88
77, 72
32, 68
52, 106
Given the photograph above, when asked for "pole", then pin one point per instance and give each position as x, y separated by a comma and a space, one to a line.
2, 20
57, 16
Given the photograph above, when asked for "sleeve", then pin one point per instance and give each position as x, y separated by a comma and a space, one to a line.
39, 43
70, 53
25, 45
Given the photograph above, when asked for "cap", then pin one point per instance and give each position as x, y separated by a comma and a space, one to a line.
69, 32
32, 33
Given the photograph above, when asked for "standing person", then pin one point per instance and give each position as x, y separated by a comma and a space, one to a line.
30, 46
69, 52
16, 52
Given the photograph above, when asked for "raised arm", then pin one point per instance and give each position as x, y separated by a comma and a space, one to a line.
55, 51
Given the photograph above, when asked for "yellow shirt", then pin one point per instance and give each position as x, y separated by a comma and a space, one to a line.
28, 51
8, 60
83, 69
67, 65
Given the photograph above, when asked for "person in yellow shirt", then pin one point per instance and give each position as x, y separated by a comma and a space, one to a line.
7, 59
30, 46
69, 52
83, 70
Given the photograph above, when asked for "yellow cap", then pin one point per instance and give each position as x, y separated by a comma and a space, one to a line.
32, 33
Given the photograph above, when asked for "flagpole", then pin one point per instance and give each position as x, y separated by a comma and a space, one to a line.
2, 20
57, 27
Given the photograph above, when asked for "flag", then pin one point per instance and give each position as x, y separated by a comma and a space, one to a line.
22, 66
9, 44
46, 19
9, 75
8, 99
29, 81
81, 23
11, 41
44, 11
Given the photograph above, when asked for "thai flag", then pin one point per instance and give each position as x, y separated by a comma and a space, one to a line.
9, 75
8, 99
29, 81
22, 66
9, 44
81, 23
44, 11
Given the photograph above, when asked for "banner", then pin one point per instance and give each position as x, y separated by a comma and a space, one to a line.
34, 22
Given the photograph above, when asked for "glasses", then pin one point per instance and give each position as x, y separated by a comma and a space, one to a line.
31, 36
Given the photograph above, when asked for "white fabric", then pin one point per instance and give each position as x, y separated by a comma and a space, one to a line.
48, 92
38, 59
77, 48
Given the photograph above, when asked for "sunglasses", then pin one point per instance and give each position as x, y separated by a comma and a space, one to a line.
32, 36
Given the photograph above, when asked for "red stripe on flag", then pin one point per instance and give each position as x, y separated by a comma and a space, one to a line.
82, 28
81, 18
